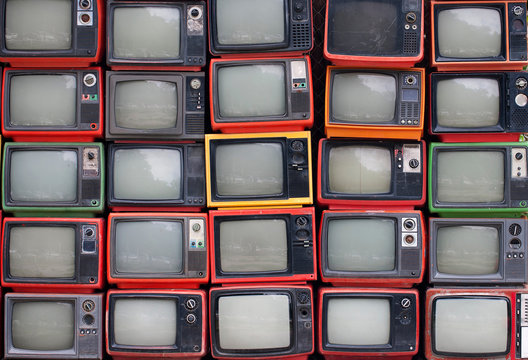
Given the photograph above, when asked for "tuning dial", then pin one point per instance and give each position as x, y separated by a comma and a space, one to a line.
410, 17
301, 221
405, 303
414, 163
521, 83
518, 10
299, 7
515, 229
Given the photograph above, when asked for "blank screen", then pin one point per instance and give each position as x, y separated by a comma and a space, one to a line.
42, 251
43, 325
469, 33
146, 105
43, 175
468, 102
147, 32
467, 250
359, 170
252, 90
148, 247
147, 174
249, 169
361, 244
358, 321
364, 98
235, 27
145, 322
38, 24
471, 326
250, 322
253, 245
470, 176
43, 100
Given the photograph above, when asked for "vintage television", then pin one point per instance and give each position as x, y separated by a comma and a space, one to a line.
156, 35
263, 245
51, 33
370, 174
256, 27
478, 35
156, 177
374, 103
52, 105
256, 170
270, 321
478, 179
372, 248
478, 106
261, 95
361, 323
154, 105
154, 324
153, 250
476, 323
53, 254
53, 326
47, 178
374, 33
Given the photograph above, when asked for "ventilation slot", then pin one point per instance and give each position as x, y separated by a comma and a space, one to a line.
410, 43
524, 310
301, 35
194, 124
519, 119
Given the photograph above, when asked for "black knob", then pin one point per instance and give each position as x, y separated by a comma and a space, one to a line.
89, 232
85, 4
91, 155
405, 303
195, 12
515, 229
191, 304
301, 221
410, 17
191, 318
297, 145
299, 7
88, 319
413, 163
519, 156
408, 224
303, 297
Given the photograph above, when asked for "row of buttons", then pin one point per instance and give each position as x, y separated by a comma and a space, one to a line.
88, 332
514, 255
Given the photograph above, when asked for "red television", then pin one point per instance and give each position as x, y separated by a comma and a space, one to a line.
153, 250
52, 104
51, 33
262, 245
361, 323
154, 324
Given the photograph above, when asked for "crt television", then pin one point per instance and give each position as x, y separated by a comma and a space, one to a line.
154, 324
370, 174
155, 105
255, 170
478, 106
261, 95
152, 250
483, 35
156, 35
52, 105
256, 27
262, 245
478, 178
53, 178
53, 254
261, 321
360, 323
478, 251
374, 33
368, 103
372, 248
53, 326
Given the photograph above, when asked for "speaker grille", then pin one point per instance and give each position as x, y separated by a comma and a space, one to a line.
410, 43
301, 35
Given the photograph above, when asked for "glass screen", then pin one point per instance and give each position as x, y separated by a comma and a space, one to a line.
243, 22
147, 174
361, 244
252, 90
147, 32
253, 245
43, 100
358, 321
42, 251
471, 326
146, 104
467, 250
468, 102
470, 176
248, 322
469, 33
359, 170
249, 169
43, 325
43, 175
145, 322
38, 24
148, 247
363, 98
